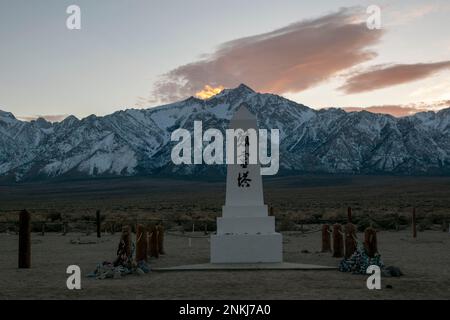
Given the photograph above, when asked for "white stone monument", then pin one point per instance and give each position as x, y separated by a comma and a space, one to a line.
245, 232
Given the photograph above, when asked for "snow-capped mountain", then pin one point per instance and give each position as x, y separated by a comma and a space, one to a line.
135, 142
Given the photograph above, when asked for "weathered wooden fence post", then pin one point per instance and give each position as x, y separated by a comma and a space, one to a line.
326, 238
126, 238
88, 232
350, 239
24, 240
124, 251
338, 241
141, 243
370, 242
64, 228
154, 247
98, 221
161, 239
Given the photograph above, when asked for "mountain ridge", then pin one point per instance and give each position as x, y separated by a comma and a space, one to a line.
137, 141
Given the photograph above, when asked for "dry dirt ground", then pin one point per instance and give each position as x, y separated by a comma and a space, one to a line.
425, 262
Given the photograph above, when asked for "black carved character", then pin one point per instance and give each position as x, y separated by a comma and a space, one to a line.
243, 180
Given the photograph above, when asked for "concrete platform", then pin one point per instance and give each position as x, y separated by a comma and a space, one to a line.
247, 248
245, 266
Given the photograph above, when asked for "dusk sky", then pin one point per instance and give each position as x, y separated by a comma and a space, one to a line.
143, 53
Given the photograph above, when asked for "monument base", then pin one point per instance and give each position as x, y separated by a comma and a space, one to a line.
247, 248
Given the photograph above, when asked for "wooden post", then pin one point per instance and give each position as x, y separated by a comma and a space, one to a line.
150, 240
97, 216
126, 238
271, 211
338, 241
350, 239
24, 240
370, 242
43, 229
326, 238
141, 243
64, 227
154, 248
414, 224
349, 214
124, 252
161, 239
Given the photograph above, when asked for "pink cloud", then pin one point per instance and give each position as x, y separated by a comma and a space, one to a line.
403, 110
380, 77
290, 59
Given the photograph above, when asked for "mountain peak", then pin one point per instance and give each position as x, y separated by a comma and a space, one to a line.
5, 114
243, 87
70, 119
240, 90
192, 99
42, 122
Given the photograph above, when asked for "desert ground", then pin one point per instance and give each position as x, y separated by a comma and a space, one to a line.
293, 198
300, 204
424, 261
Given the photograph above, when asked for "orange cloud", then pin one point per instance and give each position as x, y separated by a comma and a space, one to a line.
403, 110
290, 59
380, 77
209, 92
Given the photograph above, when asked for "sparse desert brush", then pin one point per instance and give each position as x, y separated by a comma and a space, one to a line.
404, 219
88, 217
9, 217
188, 225
286, 225
425, 224
364, 221
297, 216
169, 224
330, 214
159, 200
436, 218
54, 216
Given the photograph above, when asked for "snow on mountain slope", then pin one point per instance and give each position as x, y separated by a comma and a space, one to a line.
134, 142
